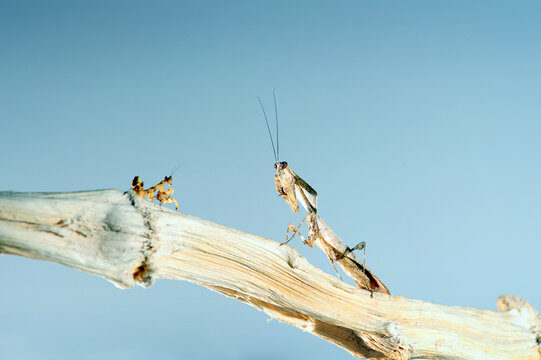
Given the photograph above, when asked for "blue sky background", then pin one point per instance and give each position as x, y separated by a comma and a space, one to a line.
417, 122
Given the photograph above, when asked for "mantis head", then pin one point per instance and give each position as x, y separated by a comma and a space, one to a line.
136, 182
279, 166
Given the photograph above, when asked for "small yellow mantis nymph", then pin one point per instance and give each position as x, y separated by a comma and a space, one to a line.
293, 189
157, 191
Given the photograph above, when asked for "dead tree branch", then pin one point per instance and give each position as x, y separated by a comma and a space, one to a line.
127, 240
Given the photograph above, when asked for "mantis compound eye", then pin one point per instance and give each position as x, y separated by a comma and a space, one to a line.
280, 165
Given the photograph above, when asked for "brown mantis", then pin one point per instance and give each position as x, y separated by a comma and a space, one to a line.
294, 190
157, 191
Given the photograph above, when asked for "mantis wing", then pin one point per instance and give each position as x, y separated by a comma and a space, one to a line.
306, 194
351, 264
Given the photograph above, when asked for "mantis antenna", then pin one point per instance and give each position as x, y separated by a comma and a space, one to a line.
176, 168
268, 128
277, 132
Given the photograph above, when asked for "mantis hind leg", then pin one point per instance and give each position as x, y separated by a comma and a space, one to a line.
359, 246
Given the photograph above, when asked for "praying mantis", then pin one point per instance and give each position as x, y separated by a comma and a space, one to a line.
294, 190
157, 191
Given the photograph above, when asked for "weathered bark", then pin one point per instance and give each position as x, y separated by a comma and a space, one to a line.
127, 240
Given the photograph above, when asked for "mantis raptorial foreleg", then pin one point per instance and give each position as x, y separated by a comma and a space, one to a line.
165, 197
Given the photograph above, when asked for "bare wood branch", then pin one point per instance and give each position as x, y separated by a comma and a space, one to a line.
127, 240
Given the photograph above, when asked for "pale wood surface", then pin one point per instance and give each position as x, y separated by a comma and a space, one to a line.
127, 240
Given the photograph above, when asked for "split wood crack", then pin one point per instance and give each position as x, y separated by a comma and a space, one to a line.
144, 273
